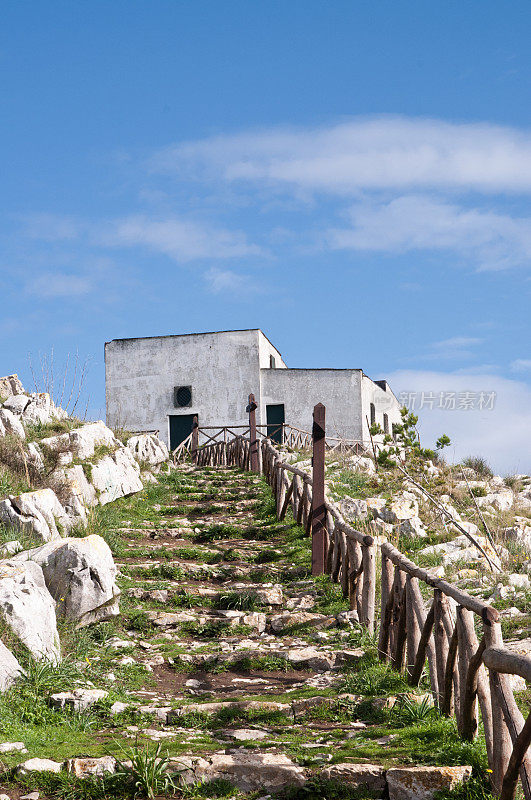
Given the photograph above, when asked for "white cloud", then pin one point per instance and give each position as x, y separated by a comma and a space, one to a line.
491, 240
225, 280
501, 435
456, 343
388, 152
521, 365
59, 284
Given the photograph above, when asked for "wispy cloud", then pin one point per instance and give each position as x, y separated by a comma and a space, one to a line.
521, 365
488, 239
389, 152
225, 280
502, 435
59, 284
181, 239
178, 237
456, 343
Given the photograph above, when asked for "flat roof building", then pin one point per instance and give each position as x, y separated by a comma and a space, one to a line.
162, 382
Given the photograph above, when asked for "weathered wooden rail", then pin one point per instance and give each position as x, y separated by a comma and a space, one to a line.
457, 635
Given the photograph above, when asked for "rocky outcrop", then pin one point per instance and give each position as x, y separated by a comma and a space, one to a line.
38, 513
421, 783
148, 448
11, 424
80, 574
28, 609
82, 442
34, 409
10, 385
250, 772
10, 669
79, 493
362, 776
116, 475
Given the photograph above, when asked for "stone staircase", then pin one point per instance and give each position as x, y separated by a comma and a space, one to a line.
251, 667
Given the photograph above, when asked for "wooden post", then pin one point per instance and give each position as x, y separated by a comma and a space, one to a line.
413, 627
386, 587
441, 641
502, 743
251, 410
318, 491
195, 438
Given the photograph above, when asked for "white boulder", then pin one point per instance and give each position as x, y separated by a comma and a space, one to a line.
9, 385
80, 575
11, 423
116, 475
10, 669
79, 493
81, 442
353, 508
402, 506
39, 513
502, 500
148, 448
27, 607
413, 527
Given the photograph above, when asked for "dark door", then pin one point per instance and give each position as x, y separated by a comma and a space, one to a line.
275, 420
180, 428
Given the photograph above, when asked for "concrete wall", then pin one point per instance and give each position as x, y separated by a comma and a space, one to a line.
384, 402
221, 368
266, 349
301, 389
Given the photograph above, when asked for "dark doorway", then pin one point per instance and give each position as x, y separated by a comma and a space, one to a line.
180, 428
275, 419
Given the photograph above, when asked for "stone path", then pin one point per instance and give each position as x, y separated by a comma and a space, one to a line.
228, 652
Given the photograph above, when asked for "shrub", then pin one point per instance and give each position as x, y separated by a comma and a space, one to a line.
479, 465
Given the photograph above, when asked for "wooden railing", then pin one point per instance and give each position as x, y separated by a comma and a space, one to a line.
291, 438
457, 635
351, 555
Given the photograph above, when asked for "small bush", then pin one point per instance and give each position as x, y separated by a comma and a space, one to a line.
479, 465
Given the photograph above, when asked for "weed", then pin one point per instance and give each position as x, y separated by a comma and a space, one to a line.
479, 465
149, 772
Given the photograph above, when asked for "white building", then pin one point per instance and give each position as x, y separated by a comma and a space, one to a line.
162, 382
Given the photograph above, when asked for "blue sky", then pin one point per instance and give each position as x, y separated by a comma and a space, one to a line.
352, 177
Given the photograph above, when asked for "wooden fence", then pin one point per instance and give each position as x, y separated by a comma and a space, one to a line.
457, 635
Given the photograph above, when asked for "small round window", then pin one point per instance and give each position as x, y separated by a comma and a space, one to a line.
183, 396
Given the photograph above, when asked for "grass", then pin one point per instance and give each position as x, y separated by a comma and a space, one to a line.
479, 465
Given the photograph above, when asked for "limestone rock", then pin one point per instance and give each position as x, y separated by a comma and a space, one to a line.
10, 385
78, 699
13, 747
420, 783
10, 548
246, 735
39, 513
248, 771
148, 448
27, 607
375, 504
38, 765
370, 776
81, 767
289, 618
80, 574
79, 493
11, 423
412, 527
81, 442
401, 507
116, 475
502, 499
352, 508
311, 658
10, 669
